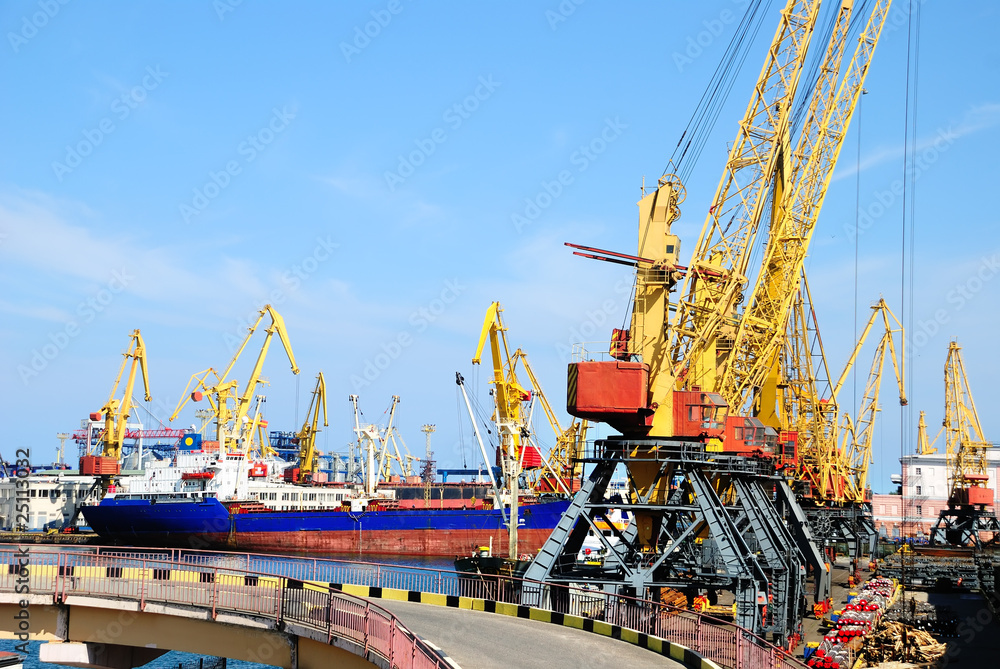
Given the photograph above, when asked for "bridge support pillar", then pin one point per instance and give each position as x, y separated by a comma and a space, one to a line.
97, 655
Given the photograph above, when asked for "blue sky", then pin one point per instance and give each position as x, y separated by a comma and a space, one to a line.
174, 166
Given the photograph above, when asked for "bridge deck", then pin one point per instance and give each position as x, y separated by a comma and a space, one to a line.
479, 640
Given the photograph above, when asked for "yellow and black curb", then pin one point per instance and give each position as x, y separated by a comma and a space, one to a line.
674, 651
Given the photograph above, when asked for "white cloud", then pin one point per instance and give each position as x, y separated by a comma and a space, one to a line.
978, 117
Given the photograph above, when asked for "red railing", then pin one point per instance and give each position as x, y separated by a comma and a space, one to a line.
721, 641
219, 588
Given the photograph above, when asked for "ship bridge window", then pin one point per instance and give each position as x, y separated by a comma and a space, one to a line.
295, 496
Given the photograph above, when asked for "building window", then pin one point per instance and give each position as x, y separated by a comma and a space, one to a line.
918, 471
920, 510
918, 490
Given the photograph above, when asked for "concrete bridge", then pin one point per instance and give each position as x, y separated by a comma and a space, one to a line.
119, 608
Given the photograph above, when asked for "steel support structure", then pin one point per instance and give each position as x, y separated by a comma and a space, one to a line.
719, 529
961, 525
851, 524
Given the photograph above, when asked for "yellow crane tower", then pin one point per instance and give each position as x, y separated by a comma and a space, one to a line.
116, 413
718, 273
509, 394
306, 437
759, 337
924, 447
835, 453
233, 424
970, 503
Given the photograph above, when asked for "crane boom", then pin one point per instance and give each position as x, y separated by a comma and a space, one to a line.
307, 435
758, 339
116, 412
717, 274
233, 423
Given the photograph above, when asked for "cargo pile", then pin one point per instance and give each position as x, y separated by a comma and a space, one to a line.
859, 617
898, 642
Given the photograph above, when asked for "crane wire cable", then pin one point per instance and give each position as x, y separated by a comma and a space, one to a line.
709, 106
857, 235
908, 137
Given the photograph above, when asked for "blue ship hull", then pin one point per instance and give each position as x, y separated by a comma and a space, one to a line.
209, 524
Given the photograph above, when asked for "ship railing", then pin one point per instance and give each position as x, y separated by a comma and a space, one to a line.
147, 578
721, 641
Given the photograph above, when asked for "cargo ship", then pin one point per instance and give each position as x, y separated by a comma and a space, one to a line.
208, 499
376, 528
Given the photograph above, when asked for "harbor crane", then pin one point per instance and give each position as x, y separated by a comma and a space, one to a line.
515, 450
694, 387
116, 412
970, 515
306, 437
231, 408
512, 415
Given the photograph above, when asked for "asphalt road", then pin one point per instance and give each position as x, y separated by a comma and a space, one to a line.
478, 640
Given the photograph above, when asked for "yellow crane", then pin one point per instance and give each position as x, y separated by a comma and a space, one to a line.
718, 273
759, 335
570, 441
116, 412
923, 446
233, 424
970, 501
508, 393
690, 371
834, 452
306, 437
856, 444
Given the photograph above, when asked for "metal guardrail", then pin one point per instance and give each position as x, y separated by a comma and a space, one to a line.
64, 574
718, 640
